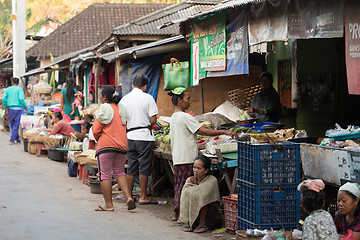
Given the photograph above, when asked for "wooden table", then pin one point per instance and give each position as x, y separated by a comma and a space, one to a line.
224, 167
162, 169
164, 158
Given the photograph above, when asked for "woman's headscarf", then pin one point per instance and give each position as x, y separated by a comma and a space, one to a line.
315, 185
353, 188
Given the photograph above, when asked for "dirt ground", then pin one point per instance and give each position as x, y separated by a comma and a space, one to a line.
38, 200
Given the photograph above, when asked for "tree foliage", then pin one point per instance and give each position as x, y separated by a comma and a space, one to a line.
5, 29
60, 10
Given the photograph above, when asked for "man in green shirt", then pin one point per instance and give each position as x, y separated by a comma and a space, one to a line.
14, 99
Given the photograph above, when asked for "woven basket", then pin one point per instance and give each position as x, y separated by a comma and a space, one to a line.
27, 135
32, 148
52, 142
242, 97
90, 111
82, 160
37, 139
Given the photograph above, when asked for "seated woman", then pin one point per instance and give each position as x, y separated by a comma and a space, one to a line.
60, 126
319, 225
198, 193
348, 217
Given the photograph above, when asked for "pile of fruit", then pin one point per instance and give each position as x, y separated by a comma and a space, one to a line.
163, 134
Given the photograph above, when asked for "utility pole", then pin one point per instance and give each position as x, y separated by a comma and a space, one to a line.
18, 18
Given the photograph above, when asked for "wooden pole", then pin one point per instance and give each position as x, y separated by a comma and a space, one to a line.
117, 73
201, 97
117, 69
97, 76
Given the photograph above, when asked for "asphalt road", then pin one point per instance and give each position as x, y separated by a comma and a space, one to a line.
38, 200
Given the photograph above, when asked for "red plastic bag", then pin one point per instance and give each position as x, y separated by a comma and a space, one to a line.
348, 236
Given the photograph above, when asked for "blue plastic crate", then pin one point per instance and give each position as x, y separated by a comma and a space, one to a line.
267, 164
267, 206
256, 126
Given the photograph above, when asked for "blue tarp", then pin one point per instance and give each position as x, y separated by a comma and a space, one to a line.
150, 66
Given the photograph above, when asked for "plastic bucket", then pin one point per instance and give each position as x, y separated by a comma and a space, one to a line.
95, 186
56, 155
25, 145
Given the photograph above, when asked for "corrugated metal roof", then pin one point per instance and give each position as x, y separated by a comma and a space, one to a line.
128, 51
149, 24
226, 5
58, 60
6, 60
222, 6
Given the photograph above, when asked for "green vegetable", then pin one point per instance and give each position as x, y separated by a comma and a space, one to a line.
166, 139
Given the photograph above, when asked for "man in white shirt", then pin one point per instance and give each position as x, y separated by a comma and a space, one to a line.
142, 110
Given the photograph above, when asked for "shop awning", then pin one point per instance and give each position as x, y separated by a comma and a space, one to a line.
148, 49
6, 63
58, 60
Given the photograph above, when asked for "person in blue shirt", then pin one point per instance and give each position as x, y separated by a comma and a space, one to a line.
14, 99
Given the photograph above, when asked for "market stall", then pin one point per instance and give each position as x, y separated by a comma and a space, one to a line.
336, 158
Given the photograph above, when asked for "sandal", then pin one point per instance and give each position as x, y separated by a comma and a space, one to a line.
187, 229
101, 209
131, 205
201, 229
175, 217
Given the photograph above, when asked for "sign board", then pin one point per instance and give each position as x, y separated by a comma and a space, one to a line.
352, 45
237, 47
209, 32
195, 64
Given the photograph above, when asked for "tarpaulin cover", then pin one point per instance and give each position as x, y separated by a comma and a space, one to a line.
352, 44
315, 19
268, 21
237, 47
150, 66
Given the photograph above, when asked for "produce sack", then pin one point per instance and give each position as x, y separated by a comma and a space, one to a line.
176, 74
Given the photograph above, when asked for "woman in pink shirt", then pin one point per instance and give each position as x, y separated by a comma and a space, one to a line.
60, 126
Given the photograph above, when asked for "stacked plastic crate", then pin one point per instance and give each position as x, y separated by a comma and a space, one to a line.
268, 176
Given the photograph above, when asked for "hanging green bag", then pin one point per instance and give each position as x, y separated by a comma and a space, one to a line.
176, 74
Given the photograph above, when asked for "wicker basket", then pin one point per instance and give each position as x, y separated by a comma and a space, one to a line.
242, 97
27, 135
37, 139
32, 148
82, 160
